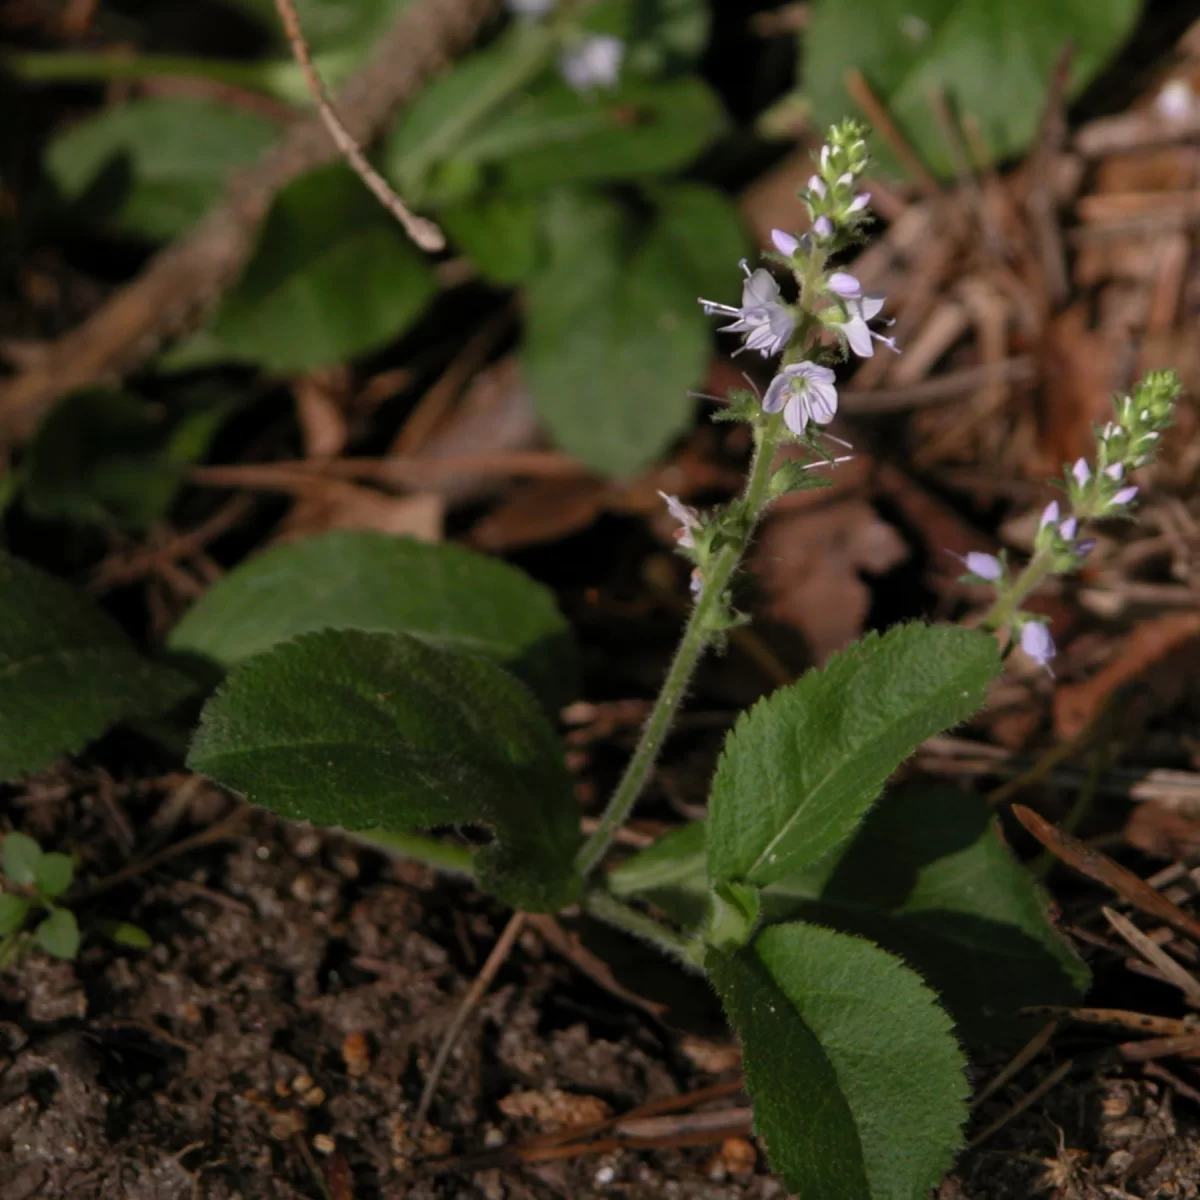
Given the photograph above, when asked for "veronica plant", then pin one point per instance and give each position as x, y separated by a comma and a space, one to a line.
390, 687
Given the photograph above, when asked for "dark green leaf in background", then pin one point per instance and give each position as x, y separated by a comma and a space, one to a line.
67, 671
928, 877
555, 136
500, 234
58, 934
53, 873
329, 25
333, 276
667, 35
614, 336
801, 768
992, 58
376, 730
153, 167
21, 855
857, 1080
110, 459
371, 581
13, 911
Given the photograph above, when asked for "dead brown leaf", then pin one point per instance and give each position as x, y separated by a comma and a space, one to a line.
554, 1108
810, 556
1163, 831
1076, 705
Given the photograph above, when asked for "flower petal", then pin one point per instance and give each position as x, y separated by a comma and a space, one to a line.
785, 242
795, 414
858, 336
759, 289
822, 402
777, 393
843, 284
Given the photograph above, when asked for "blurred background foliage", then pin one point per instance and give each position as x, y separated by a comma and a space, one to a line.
607, 211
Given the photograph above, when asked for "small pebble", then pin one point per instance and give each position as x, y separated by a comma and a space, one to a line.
605, 1175
323, 1143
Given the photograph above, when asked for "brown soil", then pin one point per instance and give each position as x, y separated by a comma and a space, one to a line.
273, 1042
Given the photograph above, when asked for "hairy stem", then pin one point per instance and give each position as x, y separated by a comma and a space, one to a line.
696, 638
1036, 570
607, 908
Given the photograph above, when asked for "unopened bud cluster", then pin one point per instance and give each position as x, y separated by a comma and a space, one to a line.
1102, 489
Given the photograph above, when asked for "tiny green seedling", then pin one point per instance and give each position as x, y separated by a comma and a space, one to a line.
34, 879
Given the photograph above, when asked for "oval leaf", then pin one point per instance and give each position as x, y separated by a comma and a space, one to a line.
13, 911
858, 1083
801, 768
614, 336
370, 581
68, 669
53, 874
58, 934
993, 60
155, 166
375, 730
21, 856
332, 276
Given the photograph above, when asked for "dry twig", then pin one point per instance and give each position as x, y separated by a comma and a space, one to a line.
424, 232
475, 993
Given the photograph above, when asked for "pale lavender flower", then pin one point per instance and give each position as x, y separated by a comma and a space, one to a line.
822, 227
858, 203
688, 518
816, 186
1081, 471
785, 243
1116, 471
986, 566
859, 336
1125, 495
593, 63
843, 284
1049, 515
806, 392
1068, 529
766, 321
1084, 547
1037, 643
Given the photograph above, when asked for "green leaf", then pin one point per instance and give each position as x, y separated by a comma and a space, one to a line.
110, 459
929, 877
801, 768
21, 856
68, 671
926, 876
53, 874
857, 1080
500, 234
614, 336
329, 25
125, 934
13, 911
993, 60
553, 136
58, 934
667, 34
153, 167
371, 581
332, 277
376, 730
454, 104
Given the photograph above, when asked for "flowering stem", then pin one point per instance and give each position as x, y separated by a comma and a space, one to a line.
696, 637
1036, 570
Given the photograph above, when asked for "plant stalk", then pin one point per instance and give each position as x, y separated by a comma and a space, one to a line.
607, 908
1036, 570
697, 635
